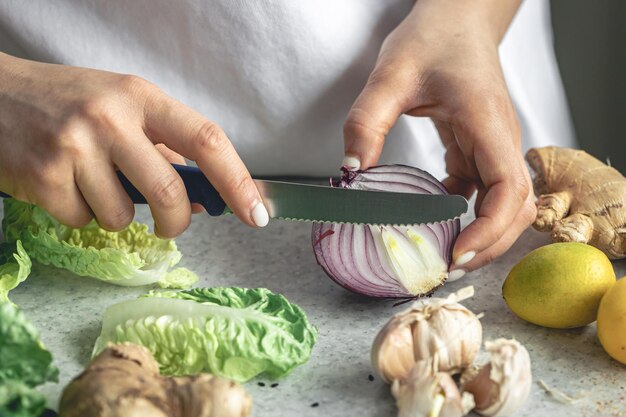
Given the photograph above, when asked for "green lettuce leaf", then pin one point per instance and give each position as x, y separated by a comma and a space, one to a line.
20, 400
23, 358
236, 333
133, 256
179, 278
14, 267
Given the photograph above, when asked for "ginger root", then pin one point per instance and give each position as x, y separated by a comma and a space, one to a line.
124, 381
580, 199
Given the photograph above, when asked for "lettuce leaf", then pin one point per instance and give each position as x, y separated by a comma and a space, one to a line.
24, 361
236, 333
15, 267
179, 278
23, 357
133, 256
24, 364
20, 400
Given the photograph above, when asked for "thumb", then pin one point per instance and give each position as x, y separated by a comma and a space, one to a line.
371, 117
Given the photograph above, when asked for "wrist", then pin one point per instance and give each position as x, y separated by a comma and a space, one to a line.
9, 66
488, 19
6, 59
6, 69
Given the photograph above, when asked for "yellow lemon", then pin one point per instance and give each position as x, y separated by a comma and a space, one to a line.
612, 321
559, 285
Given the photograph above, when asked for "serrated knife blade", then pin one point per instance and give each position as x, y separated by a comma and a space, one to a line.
316, 203
304, 202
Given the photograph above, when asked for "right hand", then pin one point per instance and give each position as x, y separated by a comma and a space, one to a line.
65, 130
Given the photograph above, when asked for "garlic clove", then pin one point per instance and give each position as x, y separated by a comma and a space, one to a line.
467, 402
392, 353
480, 386
429, 393
454, 332
438, 326
501, 386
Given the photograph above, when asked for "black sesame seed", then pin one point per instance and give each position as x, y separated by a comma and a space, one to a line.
274, 385
370, 377
261, 384
315, 405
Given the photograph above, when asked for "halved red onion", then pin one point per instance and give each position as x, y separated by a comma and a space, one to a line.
387, 261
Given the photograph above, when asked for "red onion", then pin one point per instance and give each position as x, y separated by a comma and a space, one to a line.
387, 261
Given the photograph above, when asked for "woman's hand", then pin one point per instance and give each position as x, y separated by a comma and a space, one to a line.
442, 62
65, 130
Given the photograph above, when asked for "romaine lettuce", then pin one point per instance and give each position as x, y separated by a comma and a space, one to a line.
236, 333
23, 357
19, 400
130, 257
14, 267
24, 364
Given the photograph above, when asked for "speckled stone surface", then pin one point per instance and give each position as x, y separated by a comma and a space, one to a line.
67, 310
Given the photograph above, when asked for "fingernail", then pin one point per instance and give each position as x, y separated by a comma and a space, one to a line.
353, 163
465, 258
260, 217
456, 274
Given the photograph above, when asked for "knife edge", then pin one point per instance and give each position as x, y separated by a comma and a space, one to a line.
324, 204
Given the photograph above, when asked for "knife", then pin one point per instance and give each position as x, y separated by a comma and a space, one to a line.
315, 203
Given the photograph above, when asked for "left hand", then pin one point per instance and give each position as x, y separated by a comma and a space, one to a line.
442, 62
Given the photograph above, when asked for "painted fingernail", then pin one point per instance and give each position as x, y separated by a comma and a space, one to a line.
260, 217
353, 163
465, 258
456, 274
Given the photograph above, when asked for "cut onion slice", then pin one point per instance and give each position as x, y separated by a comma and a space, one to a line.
387, 261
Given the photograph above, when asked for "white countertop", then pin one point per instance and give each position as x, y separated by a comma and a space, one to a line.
67, 311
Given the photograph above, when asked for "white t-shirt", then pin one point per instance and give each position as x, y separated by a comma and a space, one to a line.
279, 76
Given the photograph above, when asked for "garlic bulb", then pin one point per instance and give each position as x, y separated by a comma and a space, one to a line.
438, 326
501, 386
428, 393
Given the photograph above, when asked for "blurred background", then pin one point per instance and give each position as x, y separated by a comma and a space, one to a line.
590, 44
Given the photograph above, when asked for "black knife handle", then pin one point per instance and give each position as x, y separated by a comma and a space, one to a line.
199, 190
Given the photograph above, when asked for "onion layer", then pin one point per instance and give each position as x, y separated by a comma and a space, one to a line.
387, 261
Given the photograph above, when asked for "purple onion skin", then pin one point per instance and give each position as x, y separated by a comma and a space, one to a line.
361, 269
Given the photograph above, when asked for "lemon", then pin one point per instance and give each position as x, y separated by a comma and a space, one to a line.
559, 285
612, 321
